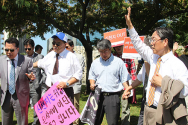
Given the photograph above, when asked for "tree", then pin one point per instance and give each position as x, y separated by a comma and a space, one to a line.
79, 17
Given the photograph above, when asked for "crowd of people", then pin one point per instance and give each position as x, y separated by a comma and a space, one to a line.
164, 77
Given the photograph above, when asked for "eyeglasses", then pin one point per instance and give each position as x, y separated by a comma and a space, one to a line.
27, 49
54, 43
152, 40
11, 50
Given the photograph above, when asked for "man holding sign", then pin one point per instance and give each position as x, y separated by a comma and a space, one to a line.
61, 63
110, 74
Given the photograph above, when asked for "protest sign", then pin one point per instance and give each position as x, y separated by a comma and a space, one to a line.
55, 108
116, 37
129, 52
89, 112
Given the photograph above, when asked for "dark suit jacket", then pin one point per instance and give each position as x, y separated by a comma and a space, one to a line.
37, 71
24, 65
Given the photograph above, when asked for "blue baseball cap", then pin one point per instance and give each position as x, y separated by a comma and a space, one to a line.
61, 36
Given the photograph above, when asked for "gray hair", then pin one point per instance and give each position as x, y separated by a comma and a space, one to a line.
146, 41
104, 44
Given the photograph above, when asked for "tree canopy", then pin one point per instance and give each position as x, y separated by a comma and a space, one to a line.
80, 18
76, 17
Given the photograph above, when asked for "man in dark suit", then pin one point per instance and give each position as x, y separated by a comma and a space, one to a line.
15, 74
35, 88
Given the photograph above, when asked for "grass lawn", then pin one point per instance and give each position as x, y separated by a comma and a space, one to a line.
135, 108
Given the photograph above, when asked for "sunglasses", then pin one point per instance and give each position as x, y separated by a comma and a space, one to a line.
27, 49
54, 43
11, 50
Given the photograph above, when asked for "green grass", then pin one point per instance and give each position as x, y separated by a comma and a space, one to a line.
135, 108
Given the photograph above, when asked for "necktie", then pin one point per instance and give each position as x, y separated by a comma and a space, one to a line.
12, 78
152, 87
56, 66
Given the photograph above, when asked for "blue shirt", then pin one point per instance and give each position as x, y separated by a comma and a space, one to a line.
110, 74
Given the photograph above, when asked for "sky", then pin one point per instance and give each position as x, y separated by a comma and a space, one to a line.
43, 43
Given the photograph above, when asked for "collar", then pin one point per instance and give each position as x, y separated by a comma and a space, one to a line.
109, 59
62, 53
15, 59
166, 56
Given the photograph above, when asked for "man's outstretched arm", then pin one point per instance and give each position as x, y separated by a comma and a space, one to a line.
128, 19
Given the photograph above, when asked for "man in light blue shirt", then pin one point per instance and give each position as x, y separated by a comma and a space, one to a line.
110, 74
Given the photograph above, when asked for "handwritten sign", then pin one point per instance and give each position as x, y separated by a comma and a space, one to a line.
116, 37
129, 52
55, 108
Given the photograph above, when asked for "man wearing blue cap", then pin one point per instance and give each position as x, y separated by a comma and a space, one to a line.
62, 62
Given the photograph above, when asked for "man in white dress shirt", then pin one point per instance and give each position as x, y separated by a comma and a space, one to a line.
69, 69
162, 44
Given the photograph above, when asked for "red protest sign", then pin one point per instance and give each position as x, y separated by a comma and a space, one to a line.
116, 37
129, 52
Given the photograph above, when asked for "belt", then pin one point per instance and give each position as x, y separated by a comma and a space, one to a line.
110, 93
151, 106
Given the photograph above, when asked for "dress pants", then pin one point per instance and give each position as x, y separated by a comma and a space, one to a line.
35, 96
141, 116
76, 105
11, 104
70, 93
44, 88
125, 113
110, 105
149, 115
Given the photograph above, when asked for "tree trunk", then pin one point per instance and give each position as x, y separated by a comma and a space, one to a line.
89, 59
88, 64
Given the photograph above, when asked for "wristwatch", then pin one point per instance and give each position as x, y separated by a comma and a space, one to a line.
67, 84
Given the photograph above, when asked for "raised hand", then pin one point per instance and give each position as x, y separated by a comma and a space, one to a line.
128, 19
175, 47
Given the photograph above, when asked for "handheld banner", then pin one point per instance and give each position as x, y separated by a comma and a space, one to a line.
55, 108
129, 52
116, 37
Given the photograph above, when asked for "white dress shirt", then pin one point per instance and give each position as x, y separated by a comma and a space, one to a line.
69, 66
141, 74
170, 66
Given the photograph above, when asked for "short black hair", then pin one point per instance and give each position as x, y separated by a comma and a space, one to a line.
12, 40
29, 42
37, 47
70, 42
166, 33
